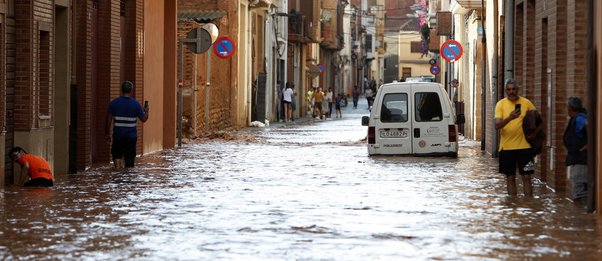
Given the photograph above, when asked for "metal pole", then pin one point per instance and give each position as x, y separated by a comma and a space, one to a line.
592, 93
180, 76
196, 88
509, 41
484, 79
207, 92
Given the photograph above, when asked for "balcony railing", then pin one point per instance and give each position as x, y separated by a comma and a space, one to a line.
296, 28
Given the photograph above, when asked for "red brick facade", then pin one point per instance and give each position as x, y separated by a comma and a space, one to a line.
223, 78
99, 79
550, 39
105, 45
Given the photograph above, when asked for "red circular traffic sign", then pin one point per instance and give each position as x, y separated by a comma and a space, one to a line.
451, 50
224, 47
435, 69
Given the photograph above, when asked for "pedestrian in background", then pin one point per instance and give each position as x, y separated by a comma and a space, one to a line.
337, 105
288, 100
318, 99
293, 103
514, 150
575, 141
122, 116
368, 93
310, 101
329, 99
33, 167
356, 96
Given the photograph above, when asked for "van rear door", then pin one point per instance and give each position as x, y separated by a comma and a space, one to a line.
393, 127
430, 120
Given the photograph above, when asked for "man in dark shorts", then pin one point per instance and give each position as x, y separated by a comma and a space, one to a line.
514, 150
122, 116
33, 167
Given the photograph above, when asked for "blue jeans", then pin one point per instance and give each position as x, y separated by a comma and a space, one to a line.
578, 176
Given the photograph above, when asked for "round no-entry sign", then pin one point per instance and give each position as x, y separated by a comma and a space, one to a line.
224, 47
435, 69
451, 50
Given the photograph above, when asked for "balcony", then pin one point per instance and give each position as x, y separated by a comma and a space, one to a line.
295, 28
299, 29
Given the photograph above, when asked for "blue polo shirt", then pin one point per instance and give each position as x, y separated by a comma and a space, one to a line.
126, 111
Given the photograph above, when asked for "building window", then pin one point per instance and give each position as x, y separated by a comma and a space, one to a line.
44, 74
406, 72
415, 47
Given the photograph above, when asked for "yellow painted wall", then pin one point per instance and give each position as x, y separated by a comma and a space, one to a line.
419, 64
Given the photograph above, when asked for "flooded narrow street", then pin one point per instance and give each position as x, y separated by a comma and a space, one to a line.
303, 191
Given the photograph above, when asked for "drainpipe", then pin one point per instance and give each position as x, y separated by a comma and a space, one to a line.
483, 78
591, 108
509, 39
494, 79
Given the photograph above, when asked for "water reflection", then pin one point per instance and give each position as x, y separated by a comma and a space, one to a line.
307, 191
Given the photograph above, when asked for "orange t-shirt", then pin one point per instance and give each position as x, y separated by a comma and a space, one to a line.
38, 167
319, 96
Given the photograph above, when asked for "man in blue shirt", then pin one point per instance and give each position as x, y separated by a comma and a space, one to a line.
122, 116
575, 141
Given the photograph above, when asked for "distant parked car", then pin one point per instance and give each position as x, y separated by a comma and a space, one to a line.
413, 79
420, 79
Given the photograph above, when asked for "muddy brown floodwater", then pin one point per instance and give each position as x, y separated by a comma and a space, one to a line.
304, 191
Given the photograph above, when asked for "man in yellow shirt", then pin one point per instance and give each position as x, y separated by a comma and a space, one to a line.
514, 150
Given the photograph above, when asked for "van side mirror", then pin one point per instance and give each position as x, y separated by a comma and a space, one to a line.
460, 119
365, 120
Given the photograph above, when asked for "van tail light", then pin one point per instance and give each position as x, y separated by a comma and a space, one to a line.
452, 133
371, 135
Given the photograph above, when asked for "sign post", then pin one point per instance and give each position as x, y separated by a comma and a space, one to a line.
198, 40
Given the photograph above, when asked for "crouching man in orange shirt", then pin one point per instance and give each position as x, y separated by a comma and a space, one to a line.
34, 167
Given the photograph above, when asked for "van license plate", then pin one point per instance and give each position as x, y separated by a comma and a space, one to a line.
397, 133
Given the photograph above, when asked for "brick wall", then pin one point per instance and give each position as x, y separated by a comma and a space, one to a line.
223, 82
83, 65
2, 72
23, 91
107, 70
10, 46
33, 84
198, 4
551, 35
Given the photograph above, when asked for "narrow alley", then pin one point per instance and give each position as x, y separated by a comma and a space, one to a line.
297, 191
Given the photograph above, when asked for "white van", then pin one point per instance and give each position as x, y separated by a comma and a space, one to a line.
412, 118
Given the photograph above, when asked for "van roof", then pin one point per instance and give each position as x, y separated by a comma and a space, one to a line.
398, 86
388, 85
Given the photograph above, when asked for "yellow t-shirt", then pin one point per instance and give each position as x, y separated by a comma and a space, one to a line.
512, 136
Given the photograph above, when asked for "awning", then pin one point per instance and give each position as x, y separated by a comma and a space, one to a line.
199, 15
313, 70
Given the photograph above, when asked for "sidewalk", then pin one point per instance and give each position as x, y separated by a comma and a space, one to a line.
346, 112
